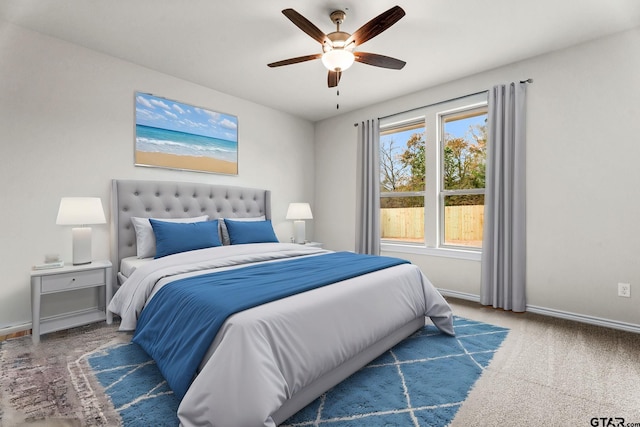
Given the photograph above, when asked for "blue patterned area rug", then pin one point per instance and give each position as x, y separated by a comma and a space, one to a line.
422, 381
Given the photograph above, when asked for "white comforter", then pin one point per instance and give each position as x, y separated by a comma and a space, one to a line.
263, 356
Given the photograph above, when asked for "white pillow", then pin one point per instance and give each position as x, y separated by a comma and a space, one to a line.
146, 240
224, 234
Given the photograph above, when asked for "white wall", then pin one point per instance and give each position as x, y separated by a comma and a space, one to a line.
67, 129
583, 205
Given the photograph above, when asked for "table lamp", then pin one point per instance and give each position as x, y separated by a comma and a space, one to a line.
299, 212
81, 211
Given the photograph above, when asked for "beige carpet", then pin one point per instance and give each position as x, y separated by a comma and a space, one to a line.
553, 372
548, 372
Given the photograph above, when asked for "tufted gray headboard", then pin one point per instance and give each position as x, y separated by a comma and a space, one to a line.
168, 199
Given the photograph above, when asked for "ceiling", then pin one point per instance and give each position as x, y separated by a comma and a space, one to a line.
226, 46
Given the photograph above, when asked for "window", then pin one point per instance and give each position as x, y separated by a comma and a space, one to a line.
432, 175
402, 182
463, 151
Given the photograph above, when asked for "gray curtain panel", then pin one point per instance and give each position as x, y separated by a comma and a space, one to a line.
503, 281
368, 189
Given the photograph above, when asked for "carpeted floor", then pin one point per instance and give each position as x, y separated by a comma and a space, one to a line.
547, 372
422, 381
553, 372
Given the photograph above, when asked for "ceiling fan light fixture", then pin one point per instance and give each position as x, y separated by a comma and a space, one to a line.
338, 47
338, 59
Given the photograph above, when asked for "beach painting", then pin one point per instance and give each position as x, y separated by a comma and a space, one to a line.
174, 135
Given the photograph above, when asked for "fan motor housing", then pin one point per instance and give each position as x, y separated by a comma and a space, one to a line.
337, 40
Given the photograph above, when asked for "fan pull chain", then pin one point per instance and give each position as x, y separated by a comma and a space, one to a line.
338, 94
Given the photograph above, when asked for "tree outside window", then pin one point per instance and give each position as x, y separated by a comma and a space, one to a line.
404, 179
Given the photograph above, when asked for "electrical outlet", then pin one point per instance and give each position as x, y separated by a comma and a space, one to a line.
624, 290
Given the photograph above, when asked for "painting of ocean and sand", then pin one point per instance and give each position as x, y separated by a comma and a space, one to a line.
174, 135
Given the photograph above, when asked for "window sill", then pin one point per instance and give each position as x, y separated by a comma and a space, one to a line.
423, 250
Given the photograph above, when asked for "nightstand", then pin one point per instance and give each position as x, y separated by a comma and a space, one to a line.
69, 278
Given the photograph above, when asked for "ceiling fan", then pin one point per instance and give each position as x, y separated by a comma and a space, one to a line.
339, 48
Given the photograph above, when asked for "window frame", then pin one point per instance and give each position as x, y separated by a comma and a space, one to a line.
395, 127
434, 194
469, 111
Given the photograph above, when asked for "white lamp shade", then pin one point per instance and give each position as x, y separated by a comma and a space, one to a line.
338, 59
80, 211
299, 211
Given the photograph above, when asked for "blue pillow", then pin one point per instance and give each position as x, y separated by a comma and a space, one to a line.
176, 237
241, 232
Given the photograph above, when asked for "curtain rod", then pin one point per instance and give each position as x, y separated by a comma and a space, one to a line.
442, 102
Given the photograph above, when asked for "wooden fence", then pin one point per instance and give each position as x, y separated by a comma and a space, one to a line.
462, 224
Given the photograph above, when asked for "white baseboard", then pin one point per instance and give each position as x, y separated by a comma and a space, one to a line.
583, 318
15, 328
592, 320
459, 295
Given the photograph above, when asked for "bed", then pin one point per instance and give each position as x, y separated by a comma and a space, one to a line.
267, 361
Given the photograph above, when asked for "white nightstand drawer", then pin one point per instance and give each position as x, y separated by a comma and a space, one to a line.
66, 281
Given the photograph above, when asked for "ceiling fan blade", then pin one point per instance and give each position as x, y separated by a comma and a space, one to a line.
305, 25
334, 78
295, 60
376, 26
379, 60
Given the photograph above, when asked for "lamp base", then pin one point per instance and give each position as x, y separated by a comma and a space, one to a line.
298, 231
81, 245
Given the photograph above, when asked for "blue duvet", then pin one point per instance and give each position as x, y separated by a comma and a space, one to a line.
178, 325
